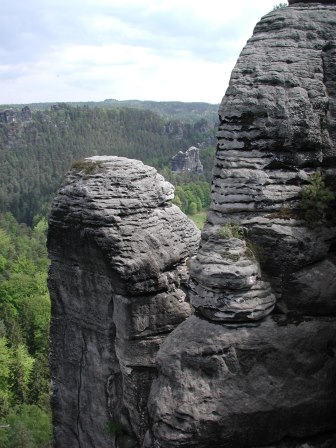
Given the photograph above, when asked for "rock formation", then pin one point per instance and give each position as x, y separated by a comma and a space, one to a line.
187, 161
117, 279
292, 2
12, 116
256, 365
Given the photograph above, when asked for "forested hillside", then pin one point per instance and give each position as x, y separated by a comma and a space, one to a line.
36, 150
24, 341
171, 110
35, 154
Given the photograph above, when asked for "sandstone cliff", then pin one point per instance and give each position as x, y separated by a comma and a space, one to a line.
256, 365
117, 279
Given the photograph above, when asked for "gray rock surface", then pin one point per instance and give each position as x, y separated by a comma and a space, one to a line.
234, 376
117, 279
13, 116
245, 386
277, 128
226, 282
292, 2
312, 289
327, 441
187, 161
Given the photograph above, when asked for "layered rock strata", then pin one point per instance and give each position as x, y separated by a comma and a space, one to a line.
255, 366
292, 2
117, 279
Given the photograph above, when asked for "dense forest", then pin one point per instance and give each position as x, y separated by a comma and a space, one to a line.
24, 327
36, 150
171, 110
36, 153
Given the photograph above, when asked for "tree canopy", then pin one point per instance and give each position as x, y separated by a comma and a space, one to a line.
35, 155
24, 335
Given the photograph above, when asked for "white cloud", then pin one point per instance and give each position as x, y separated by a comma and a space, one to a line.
141, 49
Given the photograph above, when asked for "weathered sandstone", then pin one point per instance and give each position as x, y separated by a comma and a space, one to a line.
292, 2
118, 275
256, 365
244, 386
277, 128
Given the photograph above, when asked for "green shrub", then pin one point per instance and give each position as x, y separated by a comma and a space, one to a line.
315, 200
114, 428
86, 166
199, 219
26, 426
279, 5
230, 231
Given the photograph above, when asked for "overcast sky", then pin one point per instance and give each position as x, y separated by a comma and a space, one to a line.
90, 50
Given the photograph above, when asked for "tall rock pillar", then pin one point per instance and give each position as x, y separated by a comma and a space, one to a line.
117, 280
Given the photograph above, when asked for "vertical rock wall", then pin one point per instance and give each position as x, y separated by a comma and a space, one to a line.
117, 279
256, 365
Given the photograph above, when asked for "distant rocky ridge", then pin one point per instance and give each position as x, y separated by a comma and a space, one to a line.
13, 124
187, 161
12, 116
255, 364
35, 154
190, 112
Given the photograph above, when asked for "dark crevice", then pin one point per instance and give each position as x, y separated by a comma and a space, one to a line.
325, 440
81, 363
329, 80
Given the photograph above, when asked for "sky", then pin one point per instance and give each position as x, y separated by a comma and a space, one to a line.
92, 50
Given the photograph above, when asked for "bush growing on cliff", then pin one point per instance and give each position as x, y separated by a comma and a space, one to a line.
114, 428
230, 231
86, 166
279, 5
315, 200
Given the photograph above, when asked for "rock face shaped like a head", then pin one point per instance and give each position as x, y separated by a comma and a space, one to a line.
117, 280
